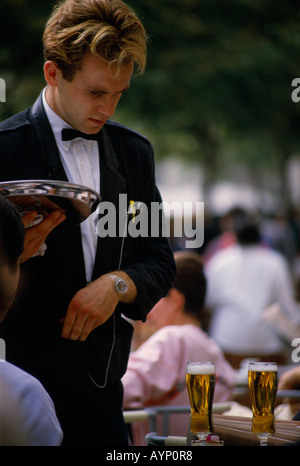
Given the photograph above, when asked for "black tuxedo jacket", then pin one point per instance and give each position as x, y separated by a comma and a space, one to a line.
32, 327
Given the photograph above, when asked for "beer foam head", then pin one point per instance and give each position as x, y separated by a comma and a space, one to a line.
200, 368
262, 367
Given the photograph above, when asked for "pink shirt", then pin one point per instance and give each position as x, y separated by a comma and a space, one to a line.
156, 373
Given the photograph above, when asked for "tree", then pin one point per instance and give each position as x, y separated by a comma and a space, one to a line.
220, 73
217, 88
21, 54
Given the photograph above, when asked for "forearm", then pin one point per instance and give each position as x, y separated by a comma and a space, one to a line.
94, 304
131, 293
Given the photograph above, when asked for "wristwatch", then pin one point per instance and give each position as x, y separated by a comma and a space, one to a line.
120, 285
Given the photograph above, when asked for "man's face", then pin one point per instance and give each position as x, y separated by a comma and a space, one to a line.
91, 98
9, 280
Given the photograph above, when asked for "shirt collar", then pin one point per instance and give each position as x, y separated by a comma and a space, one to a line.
57, 124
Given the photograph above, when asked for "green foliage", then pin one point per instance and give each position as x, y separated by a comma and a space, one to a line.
21, 55
221, 72
217, 87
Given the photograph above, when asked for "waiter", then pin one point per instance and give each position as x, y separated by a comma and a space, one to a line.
67, 326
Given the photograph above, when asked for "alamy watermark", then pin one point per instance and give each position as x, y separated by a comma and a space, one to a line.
2, 90
295, 356
159, 219
2, 349
296, 92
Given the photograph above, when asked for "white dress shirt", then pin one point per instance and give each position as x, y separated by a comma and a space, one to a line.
80, 159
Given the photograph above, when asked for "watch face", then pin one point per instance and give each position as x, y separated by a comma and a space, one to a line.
121, 286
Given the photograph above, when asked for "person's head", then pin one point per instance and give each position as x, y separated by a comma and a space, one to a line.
90, 50
185, 301
11, 249
246, 232
228, 220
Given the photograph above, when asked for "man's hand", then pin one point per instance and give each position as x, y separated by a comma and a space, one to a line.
36, 235
93, 305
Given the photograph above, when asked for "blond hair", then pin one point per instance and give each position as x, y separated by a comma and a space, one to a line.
108, 29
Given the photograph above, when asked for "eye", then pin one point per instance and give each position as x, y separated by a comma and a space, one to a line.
95, 93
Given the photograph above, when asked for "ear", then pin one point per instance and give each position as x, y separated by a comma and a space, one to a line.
51, 72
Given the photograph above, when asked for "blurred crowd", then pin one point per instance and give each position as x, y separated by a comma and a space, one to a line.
244, 279
252, 266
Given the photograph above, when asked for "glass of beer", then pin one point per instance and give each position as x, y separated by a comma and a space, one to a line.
200, 379
262, 380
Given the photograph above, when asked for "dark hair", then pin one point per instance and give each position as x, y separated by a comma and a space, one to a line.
11, 234
191, 281
246, 232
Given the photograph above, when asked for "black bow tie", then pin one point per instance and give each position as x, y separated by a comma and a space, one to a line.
68, 134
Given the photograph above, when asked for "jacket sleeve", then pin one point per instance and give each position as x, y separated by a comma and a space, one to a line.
153, 275
154, 269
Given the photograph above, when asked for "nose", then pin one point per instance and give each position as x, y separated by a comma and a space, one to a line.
108, 105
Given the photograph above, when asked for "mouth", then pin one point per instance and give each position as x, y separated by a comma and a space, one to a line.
97, 122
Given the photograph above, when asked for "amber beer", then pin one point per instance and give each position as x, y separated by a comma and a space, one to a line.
262, 379
200, 379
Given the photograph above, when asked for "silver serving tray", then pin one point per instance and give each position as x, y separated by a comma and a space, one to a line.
45, 196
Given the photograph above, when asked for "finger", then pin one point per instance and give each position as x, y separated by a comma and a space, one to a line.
79, 320
68, 325
89, 325
40, 232
78, 328
29, 217
73, 322
49, 223
36, 235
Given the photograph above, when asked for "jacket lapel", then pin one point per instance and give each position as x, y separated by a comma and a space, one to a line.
47, 142
55, 170
112, 184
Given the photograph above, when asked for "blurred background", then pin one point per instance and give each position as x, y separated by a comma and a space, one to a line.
215, 99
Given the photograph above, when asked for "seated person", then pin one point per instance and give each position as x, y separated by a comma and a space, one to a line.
156, 370
243, 280
27, 414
